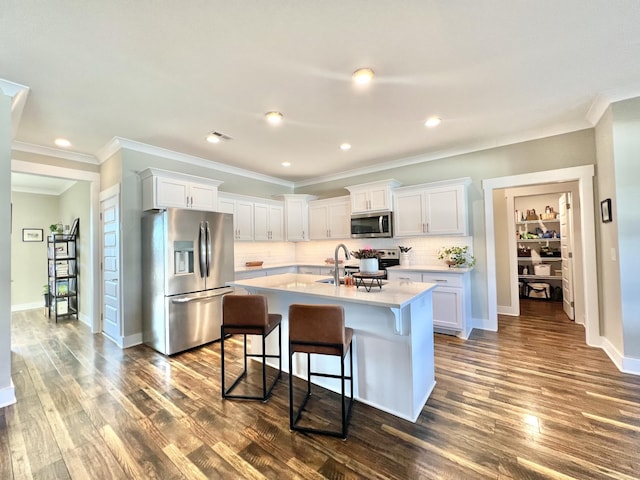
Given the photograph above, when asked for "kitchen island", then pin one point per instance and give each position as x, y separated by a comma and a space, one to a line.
392, 343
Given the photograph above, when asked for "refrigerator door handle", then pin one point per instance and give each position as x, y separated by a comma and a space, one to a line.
202, 251
217, 293
208, 248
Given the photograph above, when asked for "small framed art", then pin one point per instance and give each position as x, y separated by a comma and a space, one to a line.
605, 210
32, 235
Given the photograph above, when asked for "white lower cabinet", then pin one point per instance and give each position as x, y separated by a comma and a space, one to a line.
451, 299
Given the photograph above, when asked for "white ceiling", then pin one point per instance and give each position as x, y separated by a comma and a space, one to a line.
23, 182
166, 73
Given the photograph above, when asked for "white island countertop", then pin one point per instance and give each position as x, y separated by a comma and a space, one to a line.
393, 294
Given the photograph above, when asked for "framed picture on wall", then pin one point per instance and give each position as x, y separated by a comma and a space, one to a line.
605, 210
32, 235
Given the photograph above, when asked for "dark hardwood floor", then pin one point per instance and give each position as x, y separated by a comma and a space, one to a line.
531, 401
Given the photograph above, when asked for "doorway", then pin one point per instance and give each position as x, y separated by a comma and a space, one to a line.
91, 269
583, 175
535, 253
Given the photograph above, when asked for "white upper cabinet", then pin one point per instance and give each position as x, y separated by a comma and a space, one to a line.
242, 210
164, 189
329, 218
431, 209
372, 197
268, 221
296, 214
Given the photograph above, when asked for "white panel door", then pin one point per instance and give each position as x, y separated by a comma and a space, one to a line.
566, 249
111, 311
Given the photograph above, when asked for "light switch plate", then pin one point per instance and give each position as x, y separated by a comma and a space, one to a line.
613, 254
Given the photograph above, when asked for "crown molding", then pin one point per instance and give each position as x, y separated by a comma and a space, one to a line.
521, 137
18, 94
54, 152
603, 100
118, 143
45, 191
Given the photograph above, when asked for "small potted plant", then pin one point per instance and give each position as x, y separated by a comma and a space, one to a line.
368, 259
457, 257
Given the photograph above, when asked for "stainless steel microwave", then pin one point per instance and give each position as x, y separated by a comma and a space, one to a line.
372, 225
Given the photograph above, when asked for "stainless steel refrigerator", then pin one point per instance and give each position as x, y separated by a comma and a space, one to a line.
187, 256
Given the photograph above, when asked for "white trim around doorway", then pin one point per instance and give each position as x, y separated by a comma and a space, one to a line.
20, 166
584, 176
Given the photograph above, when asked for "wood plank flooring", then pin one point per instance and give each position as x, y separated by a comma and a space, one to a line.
531, 401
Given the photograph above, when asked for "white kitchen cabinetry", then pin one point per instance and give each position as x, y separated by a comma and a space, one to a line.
431, 209
164, 189
372, 197
242, 210
296, 214
268, 221
451, 299
329, 218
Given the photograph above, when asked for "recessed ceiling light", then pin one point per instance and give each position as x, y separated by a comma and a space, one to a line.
345, 146
362, 76
274, 117
62, 142
286, 164
213, 138
432, 122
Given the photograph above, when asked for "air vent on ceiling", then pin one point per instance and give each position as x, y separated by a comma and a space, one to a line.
223, 136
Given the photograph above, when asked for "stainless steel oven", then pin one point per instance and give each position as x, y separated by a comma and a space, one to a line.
372, 225
390, 257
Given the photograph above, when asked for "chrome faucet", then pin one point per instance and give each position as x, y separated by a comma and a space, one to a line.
336, 268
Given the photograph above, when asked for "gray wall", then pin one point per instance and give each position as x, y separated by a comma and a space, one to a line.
29, 259
608, 269
626, 217
76, 203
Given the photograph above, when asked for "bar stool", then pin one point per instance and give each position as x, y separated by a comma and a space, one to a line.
248, 315
319, 329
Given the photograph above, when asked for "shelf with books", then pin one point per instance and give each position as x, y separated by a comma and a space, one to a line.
62, 269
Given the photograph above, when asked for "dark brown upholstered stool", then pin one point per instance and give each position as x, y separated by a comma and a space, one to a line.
319, 329
248, 315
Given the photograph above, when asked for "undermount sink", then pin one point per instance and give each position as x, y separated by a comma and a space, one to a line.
330, 281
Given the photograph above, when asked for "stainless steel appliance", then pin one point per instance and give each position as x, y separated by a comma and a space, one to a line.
372, 225
187, 257
390, 257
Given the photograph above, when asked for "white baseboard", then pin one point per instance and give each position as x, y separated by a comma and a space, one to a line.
132, 340
84, 318
511, 311
7, 395
483, 324
624, 364
126, 342
27, 306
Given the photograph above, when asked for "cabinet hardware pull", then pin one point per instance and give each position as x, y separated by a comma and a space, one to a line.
437, 280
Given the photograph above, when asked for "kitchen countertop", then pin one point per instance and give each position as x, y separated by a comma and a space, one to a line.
271, 266
394, 293
430, 268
